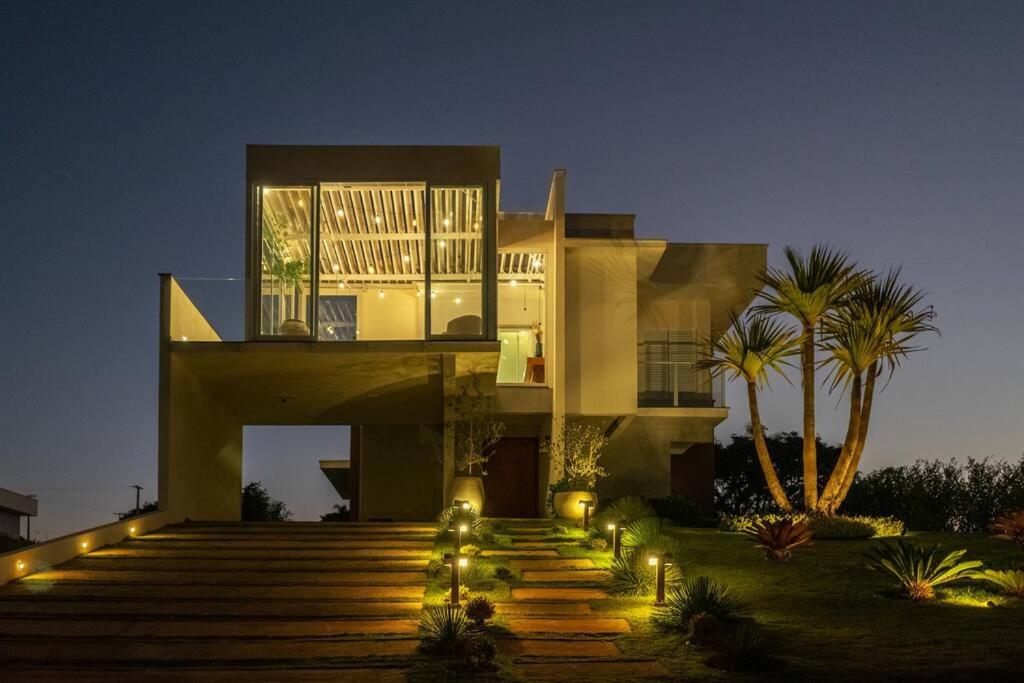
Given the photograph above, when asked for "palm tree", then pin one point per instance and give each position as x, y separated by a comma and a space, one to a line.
808, 290
748, 351
871, 332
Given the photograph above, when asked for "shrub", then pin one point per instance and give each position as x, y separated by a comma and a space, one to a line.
479, 609
471, 550
740, 523
486, 537
682, 511
446, 519
696, 596
780, 539
503, 573
1010, 526
575, 451
630, 508
706, 629
920, 569
843, 527
9, 543
559, 530
259, 506
560, 486
598, 544
471, 576
648, 536
1010, 581
443, 629
631, 575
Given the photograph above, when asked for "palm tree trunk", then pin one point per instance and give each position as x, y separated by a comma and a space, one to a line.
810, 445
862, 435
838, 475
770, 476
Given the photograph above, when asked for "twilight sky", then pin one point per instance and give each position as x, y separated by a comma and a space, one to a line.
891, 129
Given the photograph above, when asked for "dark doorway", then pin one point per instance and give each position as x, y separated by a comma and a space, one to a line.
511, 482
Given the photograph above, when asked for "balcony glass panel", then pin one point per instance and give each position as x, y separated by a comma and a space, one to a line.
666, 372
457, 225
521, 304
286, 230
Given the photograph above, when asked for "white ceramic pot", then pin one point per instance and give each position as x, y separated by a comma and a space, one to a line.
471, 489
567, 504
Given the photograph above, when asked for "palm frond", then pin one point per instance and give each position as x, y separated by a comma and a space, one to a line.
810, 287
920, 569
751, 348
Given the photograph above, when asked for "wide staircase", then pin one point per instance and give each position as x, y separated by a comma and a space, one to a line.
294, 601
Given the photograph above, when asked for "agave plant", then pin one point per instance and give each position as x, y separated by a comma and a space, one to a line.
443, 629
1010, 581
780, 538
633, 576
920, 570
699, 595
1010, 526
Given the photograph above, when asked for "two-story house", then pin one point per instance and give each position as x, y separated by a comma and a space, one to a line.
380, 278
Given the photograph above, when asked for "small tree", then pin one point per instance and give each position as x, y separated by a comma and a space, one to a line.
259, 506
575, 449
476, 429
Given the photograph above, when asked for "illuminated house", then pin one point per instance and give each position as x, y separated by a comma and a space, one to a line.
380, 278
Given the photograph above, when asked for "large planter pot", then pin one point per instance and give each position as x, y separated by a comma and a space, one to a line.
471, 489
567, 504
293, 328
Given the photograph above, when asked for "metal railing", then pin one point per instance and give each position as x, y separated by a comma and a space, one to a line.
667, 376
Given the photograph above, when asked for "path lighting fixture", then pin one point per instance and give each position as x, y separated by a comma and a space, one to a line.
20, 565
660, 562
131, 530
616, 529
456, 562
586, 505
85, 545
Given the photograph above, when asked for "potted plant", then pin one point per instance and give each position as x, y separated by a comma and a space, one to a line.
475, 430
289, 272
575, 450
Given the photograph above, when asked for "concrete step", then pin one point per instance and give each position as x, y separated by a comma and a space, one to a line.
593, 671
42, 606
146, 563
565, 576
191, 629
200, 551
221, 592
558, 594
299, 528
568, 625
50, 651
560, 609
550, 565
539, 545
521, 552
371, 674
209, 578
198, 541
560, 648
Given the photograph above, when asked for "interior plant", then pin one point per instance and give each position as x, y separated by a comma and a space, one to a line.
699, 595
779, 539
575, 449
1010, 581
920, 569
284, 269
1010, 527
476, 429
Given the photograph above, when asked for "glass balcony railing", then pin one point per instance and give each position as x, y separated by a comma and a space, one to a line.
221, 301
667, 376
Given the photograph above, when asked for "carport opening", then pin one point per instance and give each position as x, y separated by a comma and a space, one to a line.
300, 466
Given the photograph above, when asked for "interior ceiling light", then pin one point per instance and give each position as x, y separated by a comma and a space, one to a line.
340, 213
513, 283
405, 258
458, 300
380, 294
371, 269
446, 222
440, 244
433, 294
377, 219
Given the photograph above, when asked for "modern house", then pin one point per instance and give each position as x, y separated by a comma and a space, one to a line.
380, 279
14, 506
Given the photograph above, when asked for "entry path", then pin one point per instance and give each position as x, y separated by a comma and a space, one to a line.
310, 601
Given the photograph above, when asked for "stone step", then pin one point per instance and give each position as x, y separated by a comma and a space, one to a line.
181, 652
559, 609
375, 674
566, 576
565, 626
524, 552
174, 541
537, 545
304, 536
151, 608
549, 565
205, 552
146, 563
541, 647
225, 592
540, 538
558, 594
208, 578
299, 528
593, 671
164, 628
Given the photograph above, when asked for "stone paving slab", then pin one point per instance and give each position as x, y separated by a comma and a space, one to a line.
93, 628
205, 552
568, 625
51, 651
298, 528
307, 539
565, 576
89, 562
592, 671
190, 577
542, 544
317, 609
176, 675
549, 565
558, 594
539, 538
549, 552
142, 591
537, 647
325, 544
544, 608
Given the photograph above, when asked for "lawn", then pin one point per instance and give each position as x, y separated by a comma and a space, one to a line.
825, 614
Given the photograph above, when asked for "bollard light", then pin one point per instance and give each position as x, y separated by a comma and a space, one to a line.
456, 562
616, 529
587, 505
660, 562
460, 523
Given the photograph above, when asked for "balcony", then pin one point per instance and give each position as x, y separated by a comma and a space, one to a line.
667, 376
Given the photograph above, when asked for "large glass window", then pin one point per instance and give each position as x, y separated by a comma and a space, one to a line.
457, 225
286, 232
521, 305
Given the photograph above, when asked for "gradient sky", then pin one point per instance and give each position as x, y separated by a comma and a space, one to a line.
891, 129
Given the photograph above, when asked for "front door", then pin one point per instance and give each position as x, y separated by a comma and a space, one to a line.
511, 482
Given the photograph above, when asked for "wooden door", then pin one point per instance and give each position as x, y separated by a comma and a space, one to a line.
512, 479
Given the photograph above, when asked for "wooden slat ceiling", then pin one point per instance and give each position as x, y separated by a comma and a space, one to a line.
374, 233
